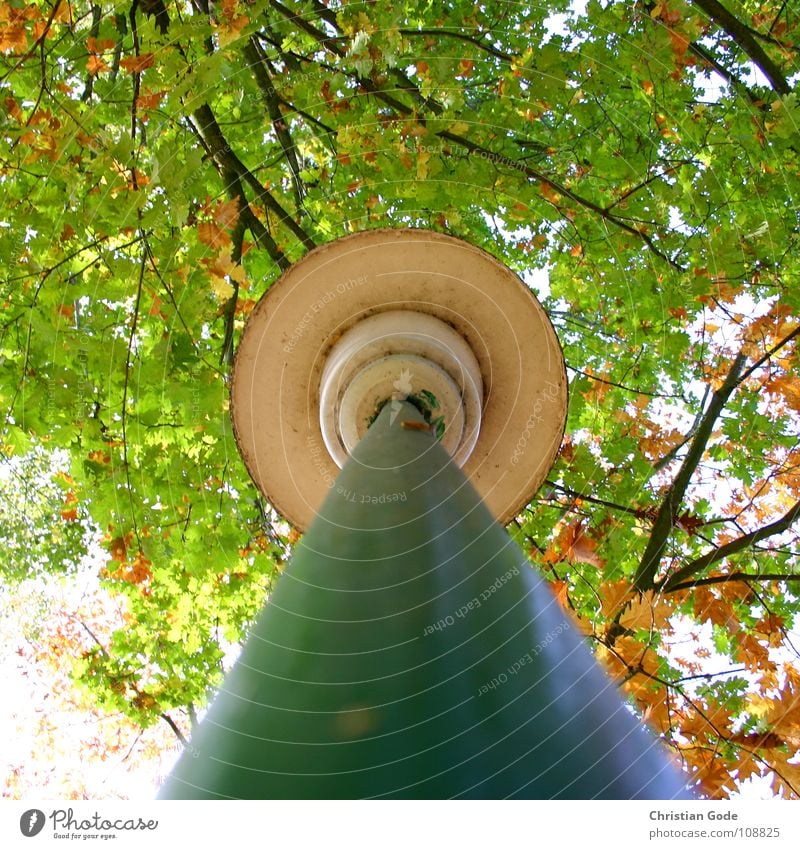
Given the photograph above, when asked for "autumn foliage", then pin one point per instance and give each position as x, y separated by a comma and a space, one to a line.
162, 163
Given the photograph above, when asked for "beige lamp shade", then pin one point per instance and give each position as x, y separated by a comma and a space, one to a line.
386, 314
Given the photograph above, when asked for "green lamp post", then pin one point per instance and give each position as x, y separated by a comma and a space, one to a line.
409, 649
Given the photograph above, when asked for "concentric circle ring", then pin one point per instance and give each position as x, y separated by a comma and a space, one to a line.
393, 355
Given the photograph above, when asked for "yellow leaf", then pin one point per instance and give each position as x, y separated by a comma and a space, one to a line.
422, 164
650, 612
221, 288
759, 706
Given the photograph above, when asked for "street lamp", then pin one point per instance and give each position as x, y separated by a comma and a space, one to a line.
409, 649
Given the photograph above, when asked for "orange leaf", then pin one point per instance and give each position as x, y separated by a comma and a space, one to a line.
13, 37
118, 549
549, 193
788, 387
757, 741
751, 653
708, 607
12, 107
149, 101
689, 523
584, 550
212, 234
612, 594
647, 85
680, 43
574, 545
95, 65
100, 45
560, 589
227, 213
137, 64
229, 30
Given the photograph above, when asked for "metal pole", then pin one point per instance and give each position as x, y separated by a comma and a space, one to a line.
410, 650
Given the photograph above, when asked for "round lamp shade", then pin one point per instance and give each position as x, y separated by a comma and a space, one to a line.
381, 316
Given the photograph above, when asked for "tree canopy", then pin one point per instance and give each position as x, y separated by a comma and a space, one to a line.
163, 162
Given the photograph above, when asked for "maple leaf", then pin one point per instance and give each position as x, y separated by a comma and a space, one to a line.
70, 513
95, 65
707, 606
100, 45
13, 37
689, 523
221, 288
575, 545
212, 234
227, 213
137, 64
612, 594
465, 67
118, 549
787, 387
649, 611
150, 101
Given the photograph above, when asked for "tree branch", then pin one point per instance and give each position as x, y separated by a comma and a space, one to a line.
673, 453
678, 579
229, 310
668, 512
461, 36
706, 56
234, 188
746, 577
171, 722
640, 514
256, 60
745, 39
632, 389
774, 349
299, 21
125, 387
230, 163
562, 190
